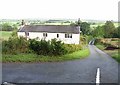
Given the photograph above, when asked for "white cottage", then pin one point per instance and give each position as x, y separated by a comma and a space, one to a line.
66, 33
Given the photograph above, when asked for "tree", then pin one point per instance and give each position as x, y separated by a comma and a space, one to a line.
116, 33
118, 29
98, 32
7, 27
109, 29
85, 28
15, 26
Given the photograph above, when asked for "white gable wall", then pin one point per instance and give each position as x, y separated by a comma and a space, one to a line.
74, 40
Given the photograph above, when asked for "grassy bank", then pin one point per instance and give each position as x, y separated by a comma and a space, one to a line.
38, 58
100, 46
115, 53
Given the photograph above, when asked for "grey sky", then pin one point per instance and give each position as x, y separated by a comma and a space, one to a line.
70, 9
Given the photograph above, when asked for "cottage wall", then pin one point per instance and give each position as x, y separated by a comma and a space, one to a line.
74, 40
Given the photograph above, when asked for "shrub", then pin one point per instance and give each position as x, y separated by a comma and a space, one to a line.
57, 47
43, 47
40, 47
72, 47
54, 47
15, 45
83, 40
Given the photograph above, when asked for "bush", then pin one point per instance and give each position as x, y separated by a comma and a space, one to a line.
72, 48
40, 47
15, 45
83, 39
57, 47
43, 47
54, 47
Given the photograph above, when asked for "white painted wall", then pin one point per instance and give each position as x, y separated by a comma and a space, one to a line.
74, 40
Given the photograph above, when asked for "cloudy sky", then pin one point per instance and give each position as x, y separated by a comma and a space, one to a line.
51, 9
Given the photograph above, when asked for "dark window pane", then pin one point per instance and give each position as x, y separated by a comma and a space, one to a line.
65, 35
27, 33
44, 34
57, 35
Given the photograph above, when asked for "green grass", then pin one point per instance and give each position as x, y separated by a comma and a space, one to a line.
117, 57
39, 58
113, 53
4, 35
102, 47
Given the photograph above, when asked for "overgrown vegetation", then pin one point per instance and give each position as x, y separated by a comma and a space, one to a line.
22, 50
43, 47
108, 30
8, 27
108, 43
110, 46
52, 47
15, 46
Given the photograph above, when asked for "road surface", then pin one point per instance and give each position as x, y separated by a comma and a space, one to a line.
76, 71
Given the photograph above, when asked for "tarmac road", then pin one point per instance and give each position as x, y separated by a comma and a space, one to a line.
76, 71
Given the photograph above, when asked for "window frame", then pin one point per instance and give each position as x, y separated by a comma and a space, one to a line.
57, 35
68, 35
26, 33
45, 35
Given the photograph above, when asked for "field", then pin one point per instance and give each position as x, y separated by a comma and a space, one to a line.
57, 24
4, 35
100, 24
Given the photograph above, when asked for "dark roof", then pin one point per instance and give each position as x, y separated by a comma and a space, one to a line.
50, 28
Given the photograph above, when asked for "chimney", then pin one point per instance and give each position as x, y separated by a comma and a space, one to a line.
23, 23
79, 21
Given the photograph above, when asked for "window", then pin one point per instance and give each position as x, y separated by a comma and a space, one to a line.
68, 35
57, 35
44, 34
26, 33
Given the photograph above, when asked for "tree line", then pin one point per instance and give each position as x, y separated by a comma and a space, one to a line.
8, 27
108, 30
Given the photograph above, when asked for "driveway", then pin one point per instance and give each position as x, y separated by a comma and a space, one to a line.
76, 71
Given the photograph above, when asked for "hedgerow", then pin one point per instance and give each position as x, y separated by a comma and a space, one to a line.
54, 47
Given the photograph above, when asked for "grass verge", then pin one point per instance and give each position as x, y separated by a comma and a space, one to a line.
102, 47
39, 58
113, 53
